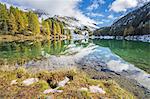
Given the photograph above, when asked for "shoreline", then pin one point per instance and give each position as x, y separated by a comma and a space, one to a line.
62, 83
89, 60
20, 37
142, 38
128, 84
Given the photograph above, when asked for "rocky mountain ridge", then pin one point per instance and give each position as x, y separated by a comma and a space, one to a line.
136, 22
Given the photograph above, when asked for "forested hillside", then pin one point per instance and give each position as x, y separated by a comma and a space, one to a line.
136, 22
15, 21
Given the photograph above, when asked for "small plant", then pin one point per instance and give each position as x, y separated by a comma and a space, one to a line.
43, 85
60, 88
85, 94
21, 72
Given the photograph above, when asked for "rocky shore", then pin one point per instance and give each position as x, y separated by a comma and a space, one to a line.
142, 38
102, 61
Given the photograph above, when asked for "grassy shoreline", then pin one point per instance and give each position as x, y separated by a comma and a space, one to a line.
20, 37
78, 80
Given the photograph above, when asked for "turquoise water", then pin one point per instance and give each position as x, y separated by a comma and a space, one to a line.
137, 53
20, 52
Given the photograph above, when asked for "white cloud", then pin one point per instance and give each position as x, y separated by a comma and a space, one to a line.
55, 7
105, 20
123, 5
112, 17
91, 14
95, 4
100, 22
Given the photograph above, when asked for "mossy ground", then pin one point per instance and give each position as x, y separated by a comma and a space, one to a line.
49, 79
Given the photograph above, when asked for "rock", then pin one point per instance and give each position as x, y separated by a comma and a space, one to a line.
50, 97
63, 83
13, 82
30, 81
83, 89
117, 66
96, 89
52, 91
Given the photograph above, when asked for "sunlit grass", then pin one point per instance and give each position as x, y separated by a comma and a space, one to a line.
49, 79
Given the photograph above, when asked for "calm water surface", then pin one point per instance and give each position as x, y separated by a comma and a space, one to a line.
137, 53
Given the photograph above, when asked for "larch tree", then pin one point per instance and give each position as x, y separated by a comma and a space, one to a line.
50, 25
62, 28
12, 27
45, 28
25, 20
54, 29
3, 18
20, 21
33, 22
58, 28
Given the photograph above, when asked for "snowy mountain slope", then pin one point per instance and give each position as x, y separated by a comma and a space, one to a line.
135, 17
76, 26
71, 22
136, 22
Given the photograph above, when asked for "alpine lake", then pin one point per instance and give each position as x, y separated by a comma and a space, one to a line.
16, 52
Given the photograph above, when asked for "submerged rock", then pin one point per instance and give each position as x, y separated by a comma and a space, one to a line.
96, 89
114, 64
30, 81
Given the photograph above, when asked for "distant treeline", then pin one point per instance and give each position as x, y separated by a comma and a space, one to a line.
124, 30
15, 21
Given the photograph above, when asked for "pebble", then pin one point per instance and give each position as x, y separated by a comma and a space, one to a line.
83, 89
13, 82
52, 91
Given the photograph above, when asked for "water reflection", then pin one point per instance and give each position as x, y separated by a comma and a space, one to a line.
136, 53
19, 52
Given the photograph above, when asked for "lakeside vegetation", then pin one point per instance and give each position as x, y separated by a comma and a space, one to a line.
22, 52
14, 21
73, 89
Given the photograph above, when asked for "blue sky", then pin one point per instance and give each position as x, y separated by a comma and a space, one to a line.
103, 12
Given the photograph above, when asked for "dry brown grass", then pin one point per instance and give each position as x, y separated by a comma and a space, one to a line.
49, 79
